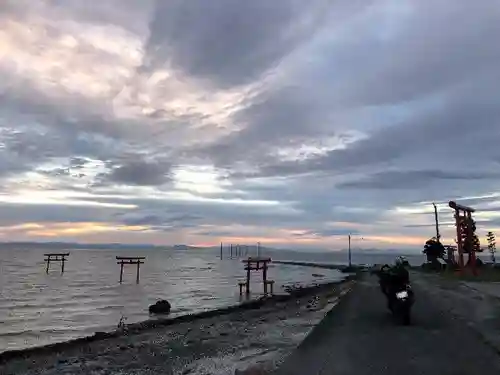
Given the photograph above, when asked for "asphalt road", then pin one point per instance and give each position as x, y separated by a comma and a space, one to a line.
360, 337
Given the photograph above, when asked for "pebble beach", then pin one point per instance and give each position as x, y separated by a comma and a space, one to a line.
236, 341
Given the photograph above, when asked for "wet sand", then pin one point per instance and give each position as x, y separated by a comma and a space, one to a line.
223, 342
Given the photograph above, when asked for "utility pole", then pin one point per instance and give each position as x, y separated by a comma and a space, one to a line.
349, 237
438, 236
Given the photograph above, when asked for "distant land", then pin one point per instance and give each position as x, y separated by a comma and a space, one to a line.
123, 246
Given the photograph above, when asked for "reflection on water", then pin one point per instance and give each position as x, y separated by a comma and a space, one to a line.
37, 309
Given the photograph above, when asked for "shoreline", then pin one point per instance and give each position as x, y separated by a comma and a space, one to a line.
329, 266
249, 341
152, 324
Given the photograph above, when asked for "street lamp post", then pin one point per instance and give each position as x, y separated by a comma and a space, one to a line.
349, 237
350, 263
436, 219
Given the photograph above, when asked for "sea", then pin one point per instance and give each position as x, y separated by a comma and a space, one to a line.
37, 308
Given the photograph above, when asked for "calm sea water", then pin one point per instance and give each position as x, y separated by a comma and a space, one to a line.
38, 309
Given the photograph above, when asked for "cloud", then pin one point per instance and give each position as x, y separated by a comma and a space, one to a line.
394, 180
15, 214
227, 42
158, 221
141, 173
447, 93
327, 233
291, 122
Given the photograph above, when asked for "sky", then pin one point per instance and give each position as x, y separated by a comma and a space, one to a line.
289, 122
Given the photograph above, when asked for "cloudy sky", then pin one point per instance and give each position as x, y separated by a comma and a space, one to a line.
288, 122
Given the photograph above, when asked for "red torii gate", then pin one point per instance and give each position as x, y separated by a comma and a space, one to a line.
463, 216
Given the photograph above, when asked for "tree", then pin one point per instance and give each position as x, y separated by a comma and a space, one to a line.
434, 250
470, 240
476, 244
491, 245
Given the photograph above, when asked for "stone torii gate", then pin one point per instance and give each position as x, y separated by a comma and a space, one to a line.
463, 222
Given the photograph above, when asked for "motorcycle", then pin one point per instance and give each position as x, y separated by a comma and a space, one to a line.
400, 303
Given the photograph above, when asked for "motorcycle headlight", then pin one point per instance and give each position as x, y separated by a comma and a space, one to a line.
401, 295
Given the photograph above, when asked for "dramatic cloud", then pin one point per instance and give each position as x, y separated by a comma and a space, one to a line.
229, 42
287, 122
137, 173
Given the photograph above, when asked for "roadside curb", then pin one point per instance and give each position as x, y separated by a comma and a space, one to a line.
339, 303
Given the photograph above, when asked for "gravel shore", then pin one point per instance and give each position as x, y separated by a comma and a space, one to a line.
218, 345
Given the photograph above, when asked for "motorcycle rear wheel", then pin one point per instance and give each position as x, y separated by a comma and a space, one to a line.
406, 317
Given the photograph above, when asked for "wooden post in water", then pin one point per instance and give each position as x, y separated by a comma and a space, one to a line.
121, 272
248, 279
130, 260
56, 257
264, 276
137, 277
221, 250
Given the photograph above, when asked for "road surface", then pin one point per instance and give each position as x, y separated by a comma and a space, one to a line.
360, 337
